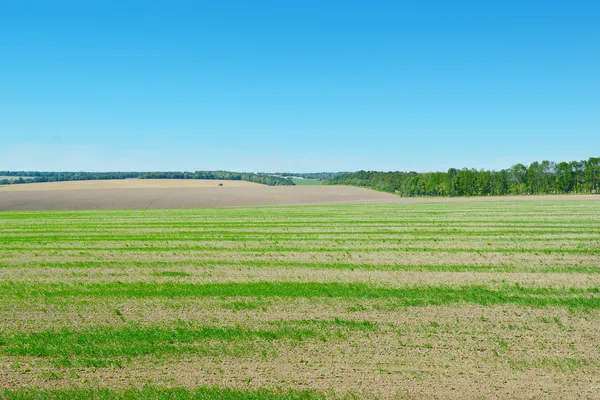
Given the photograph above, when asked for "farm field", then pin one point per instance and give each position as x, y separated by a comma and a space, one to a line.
123, 194
494, 299
176, 193
132, 183
307, 182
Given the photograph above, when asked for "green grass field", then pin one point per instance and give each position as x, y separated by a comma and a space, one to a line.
306, 182
429, 300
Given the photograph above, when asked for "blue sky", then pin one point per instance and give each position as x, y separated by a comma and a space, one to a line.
297, 86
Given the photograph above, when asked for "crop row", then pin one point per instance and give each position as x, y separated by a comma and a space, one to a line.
419, 295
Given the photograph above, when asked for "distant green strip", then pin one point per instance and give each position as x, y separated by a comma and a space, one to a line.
403, 296
160, 393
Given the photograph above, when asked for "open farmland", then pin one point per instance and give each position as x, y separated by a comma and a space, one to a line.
119, 194
133, 183
425, 300
176, 193
307, 182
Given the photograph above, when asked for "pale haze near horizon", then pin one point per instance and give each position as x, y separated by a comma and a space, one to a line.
308, 87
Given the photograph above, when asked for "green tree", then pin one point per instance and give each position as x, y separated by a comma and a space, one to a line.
535, 178
592, 174
578, 168
565, 178
519, 179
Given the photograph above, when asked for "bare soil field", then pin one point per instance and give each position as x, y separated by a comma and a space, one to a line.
190, 193
98, 195
125, 184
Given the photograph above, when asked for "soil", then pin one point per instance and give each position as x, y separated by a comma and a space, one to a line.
174, 193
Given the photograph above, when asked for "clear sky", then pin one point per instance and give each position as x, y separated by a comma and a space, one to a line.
297, 86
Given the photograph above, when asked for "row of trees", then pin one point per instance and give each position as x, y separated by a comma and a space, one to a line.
37, 176
538, 178
225, 175
20, 179
322, 176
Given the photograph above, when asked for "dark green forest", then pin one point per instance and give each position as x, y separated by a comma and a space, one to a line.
544, 177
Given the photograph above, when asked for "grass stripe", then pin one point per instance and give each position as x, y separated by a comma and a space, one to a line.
102, 346
337, 249
387, 238
403, 296
572, 269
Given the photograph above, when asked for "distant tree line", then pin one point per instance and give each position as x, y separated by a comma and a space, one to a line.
37, 176
224, 175
538, 178
322, 176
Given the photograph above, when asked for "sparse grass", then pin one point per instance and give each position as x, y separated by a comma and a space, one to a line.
163, 393
403, 296
175, 274
521, 267
337, 299
246, 305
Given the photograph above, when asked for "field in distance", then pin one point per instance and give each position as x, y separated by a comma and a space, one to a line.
176, 193
426, 300
133, 183
307, 182
197, 193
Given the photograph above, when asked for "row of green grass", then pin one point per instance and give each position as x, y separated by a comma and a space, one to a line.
338, 237
549, 222
334, 265
102, 346
422, 295
336, 248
